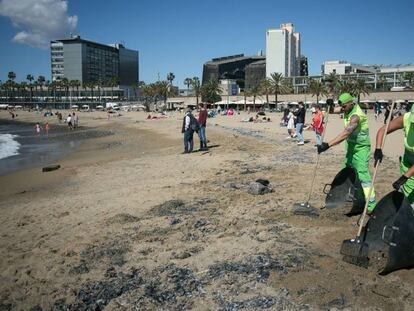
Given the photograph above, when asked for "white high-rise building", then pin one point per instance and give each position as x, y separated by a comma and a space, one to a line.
283, 51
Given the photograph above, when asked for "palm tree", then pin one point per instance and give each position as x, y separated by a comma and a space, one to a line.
196, 86
382, 80
41, 82
188, 81
359, 87
76, 84
114, 81
254, 91
266, 88
11, 75
278, 83
333, 84
210, 92
317, 88
408, 76
30, 78
170, 77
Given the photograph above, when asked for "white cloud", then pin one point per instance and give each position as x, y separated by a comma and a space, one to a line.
39, 20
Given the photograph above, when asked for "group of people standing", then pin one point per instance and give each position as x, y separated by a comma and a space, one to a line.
295, 122
191, 125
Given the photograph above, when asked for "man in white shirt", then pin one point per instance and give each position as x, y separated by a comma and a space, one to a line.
188, 131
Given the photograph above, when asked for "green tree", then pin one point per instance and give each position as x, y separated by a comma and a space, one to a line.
317, 88
188, 81
333, 84
358, 87
30, 78
210, 92
170, 77
254, 92
65, 85
114, 81
409, 76
11, 75
382, 80
41, 82
266, 88
278, 83
196, 86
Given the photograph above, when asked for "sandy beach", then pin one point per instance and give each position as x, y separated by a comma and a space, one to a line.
130, 223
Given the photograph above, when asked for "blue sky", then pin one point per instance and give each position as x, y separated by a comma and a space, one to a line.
179, 36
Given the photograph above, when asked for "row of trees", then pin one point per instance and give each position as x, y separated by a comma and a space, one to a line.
330, 85
54, 89
160, 91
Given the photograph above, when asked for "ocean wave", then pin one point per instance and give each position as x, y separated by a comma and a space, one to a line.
8, 145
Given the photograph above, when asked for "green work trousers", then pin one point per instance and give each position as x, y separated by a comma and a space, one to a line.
357, 157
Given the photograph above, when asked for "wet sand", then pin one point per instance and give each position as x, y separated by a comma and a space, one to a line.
130, 223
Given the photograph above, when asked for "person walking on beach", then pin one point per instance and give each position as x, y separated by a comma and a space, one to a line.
318, 124
358, 147
38, 128
387, 113
202, 122
406, 181
75, 120
69, 122
300, 121
188, 129
290, 118
47, 128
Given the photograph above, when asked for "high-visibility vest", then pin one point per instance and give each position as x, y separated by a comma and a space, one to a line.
408, 137
361, 133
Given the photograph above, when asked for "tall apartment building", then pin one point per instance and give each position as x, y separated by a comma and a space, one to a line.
87, 61
283, 51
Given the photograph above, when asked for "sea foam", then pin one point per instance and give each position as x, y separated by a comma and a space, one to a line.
8, 145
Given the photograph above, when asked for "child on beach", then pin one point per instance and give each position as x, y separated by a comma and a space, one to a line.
47, 128
69, 121
38, 128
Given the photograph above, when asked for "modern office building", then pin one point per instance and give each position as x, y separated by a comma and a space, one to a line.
87, 61
255, 73
283, 51
229, 67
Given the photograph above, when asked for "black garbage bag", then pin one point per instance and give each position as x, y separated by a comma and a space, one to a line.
345, 193
389, 234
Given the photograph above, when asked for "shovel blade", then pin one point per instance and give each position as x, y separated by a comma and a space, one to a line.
355, 252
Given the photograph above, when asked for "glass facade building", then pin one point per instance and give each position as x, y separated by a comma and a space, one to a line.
87, 61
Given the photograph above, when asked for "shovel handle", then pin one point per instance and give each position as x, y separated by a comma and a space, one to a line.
361, 225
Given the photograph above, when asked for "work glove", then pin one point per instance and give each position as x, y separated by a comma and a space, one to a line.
323, 147
378, 156
400, 182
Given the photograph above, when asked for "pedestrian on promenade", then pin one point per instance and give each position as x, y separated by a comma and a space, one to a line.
202, 122
300, 121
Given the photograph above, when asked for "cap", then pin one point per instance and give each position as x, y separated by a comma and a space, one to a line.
345, 98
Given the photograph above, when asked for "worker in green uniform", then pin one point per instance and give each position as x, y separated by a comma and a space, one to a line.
406, 180
358, 144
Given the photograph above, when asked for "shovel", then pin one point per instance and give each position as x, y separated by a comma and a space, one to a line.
355, 251
306, 206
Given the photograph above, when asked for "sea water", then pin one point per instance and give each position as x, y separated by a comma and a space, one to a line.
9, 146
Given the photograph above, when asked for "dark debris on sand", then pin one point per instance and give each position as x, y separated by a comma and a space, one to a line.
178, 207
